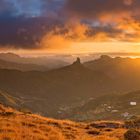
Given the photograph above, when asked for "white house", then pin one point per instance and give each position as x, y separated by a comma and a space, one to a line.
133, 103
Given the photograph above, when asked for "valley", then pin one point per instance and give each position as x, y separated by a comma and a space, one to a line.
77, 91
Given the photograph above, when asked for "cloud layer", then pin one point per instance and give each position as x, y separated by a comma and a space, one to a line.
33, 24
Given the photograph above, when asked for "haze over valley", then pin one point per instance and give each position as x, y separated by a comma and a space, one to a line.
69, 70
65, 90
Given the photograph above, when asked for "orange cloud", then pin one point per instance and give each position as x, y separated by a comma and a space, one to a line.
128, 2
53, 41
62, 37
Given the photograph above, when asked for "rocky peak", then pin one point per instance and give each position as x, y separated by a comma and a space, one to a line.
78, 61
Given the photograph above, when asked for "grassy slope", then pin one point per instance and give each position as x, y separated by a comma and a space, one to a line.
16, 125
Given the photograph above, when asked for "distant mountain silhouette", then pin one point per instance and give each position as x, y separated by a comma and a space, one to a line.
21, 66
78, 61
73, 85
48, 62
125, 71
60, 87
113, 66
9, 56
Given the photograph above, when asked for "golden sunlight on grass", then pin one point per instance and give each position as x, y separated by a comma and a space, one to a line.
16, 125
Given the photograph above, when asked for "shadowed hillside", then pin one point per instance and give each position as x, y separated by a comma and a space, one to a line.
55, 89
71, 87
125, 71
109, 107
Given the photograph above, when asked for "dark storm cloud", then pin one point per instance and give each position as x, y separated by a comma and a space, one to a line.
95, 8
23, 23
20, 32
109, 30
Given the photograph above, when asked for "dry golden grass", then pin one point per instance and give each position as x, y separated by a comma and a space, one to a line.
16, 125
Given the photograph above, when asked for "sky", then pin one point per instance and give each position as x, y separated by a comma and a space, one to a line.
70, 26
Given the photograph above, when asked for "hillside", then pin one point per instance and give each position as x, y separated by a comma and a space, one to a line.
9, 100
55, 89
71, 87
65, 89
108, 107
118, 68
17, 125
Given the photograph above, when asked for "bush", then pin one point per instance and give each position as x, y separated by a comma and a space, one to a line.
134, 123
7, 114
132, 134
93, 132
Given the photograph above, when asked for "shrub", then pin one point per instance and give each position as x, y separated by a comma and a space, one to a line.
7, 114
93, 132
132, 134
134, 123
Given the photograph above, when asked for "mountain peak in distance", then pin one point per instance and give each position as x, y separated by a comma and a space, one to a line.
77, 62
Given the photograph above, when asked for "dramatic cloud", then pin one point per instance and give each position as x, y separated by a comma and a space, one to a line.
33, 24
23, 32
65, 35
97, 8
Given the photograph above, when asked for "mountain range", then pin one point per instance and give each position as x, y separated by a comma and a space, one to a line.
21, 66
56, 92
55, 88
44, 61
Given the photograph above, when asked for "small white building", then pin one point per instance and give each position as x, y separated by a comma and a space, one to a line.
133, 103
115, 111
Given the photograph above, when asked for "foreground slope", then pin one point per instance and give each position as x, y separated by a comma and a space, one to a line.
17, 125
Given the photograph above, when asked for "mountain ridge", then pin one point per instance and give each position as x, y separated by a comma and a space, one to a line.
62, 86
67, 87
22, 67
45, 61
